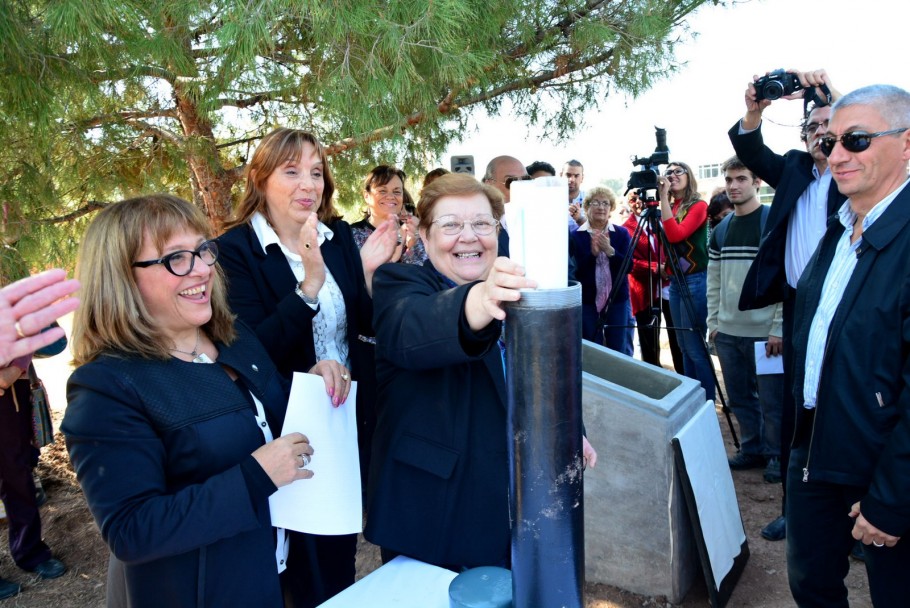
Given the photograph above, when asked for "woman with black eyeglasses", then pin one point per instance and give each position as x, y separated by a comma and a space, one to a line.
172, 415
685, 221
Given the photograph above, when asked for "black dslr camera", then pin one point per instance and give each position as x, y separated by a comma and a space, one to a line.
776, 84
648, 177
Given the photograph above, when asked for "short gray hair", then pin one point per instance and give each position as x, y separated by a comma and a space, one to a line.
893, 103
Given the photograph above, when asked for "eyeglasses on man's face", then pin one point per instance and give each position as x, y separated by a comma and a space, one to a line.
516, 178
451, 225
180, 263
853, 141
678, 172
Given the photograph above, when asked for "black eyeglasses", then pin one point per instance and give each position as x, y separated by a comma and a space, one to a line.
678, 172
853, 141
520, 178
180, 263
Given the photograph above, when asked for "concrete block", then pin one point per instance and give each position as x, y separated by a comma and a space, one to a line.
637, 533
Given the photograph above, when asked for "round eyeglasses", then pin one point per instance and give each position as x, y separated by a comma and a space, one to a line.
180, 263
451, 225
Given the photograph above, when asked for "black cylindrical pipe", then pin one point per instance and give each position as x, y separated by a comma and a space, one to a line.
543, 378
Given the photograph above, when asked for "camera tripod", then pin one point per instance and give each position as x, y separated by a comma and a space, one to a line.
651, 218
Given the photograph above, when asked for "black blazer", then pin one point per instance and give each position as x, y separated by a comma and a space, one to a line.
261, 292
439, 479
162, 450
789, 175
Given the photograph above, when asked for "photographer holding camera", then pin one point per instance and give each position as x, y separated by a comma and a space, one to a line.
805, 196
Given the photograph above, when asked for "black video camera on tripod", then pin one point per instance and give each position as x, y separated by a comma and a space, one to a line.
646, 183
647, 178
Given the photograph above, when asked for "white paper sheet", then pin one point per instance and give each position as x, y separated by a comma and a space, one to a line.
401, 583
537, 217
712, 484
329, 503
765, 364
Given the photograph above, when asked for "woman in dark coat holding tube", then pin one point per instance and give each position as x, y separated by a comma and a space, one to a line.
439, 475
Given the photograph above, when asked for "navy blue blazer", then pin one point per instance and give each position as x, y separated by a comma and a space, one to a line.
439, 479
162, 450
261, 292
789, 175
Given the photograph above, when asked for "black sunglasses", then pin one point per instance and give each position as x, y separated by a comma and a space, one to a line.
853, 141
520, 178
180, 263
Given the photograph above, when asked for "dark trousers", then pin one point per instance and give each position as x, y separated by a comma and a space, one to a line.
318, 568
788, 404
819, 542
675, 350
648, 322
17, 487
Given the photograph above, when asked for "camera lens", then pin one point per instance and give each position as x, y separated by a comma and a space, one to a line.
772, 90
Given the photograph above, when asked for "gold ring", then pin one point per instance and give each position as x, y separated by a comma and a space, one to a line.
345, 377
306, 245
19, 331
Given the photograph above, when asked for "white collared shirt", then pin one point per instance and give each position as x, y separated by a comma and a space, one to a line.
330, 325
806, 225
836, 280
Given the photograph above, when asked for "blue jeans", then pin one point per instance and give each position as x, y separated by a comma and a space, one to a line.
691, 332
756, 401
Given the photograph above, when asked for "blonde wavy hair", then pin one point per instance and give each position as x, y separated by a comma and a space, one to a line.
112, 317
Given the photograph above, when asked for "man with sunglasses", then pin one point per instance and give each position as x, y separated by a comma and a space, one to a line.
804, 197
850, 457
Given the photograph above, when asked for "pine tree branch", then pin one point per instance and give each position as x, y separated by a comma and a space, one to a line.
449, 103
125, 116
89, 207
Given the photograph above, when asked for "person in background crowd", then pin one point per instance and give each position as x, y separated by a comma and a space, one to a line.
432, 175
754, 398
685, 220
574, 173
540, 168
804, 198
385, 194
600, 248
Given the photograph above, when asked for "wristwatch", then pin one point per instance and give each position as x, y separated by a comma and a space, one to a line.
314, 302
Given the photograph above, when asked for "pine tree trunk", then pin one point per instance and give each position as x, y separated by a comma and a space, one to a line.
212, 183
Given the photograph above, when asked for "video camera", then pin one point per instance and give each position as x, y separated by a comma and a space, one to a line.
649, 175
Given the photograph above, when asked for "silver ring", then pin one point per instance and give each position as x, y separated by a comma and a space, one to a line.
345, 377
878, 544
304, 459
19, 331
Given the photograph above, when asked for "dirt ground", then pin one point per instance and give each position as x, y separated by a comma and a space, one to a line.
72, 535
